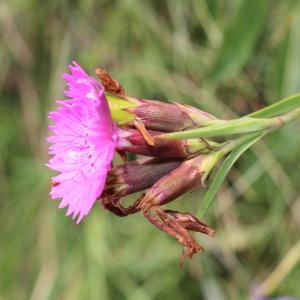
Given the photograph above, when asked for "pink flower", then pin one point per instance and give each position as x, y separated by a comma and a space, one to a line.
84, 143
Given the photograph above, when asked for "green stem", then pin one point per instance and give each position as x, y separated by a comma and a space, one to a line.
220, 128
236, 126
213, 158
233, 144
230, 146
202, 145
273, 124
236, 149
284, 119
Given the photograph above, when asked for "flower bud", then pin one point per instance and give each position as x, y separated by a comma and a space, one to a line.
182, 179
168, 117
137, 175
131, 140
155, 115
185, 177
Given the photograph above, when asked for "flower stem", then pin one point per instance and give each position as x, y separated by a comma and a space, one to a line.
233, 144
273, 123
288, 117
229, 146
236, 126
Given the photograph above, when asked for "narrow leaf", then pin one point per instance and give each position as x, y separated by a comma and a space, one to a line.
222, 173
221, 128
283, 106
240, 38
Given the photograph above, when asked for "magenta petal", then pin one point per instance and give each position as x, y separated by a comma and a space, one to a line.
83, 143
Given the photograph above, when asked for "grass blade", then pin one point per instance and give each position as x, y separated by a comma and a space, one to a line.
243, 32
222, 173
283, 106
221, 128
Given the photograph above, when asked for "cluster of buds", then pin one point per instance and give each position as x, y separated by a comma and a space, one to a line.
98, 120
173, 167
173, 143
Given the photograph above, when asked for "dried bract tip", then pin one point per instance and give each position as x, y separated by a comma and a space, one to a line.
110, 85
177, 225
190, 222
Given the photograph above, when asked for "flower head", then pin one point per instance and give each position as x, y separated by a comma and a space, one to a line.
84, 140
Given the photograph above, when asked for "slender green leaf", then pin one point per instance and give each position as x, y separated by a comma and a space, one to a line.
221, 128
291, 75
240, 38
283, 106
222, 172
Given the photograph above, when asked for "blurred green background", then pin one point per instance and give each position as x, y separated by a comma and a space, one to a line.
227, 57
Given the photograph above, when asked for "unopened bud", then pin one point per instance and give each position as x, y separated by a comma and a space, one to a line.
137, 176
168, 117
156, 115
131, 140
189, 174
185, 177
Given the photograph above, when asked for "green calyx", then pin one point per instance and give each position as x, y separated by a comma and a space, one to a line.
117, 108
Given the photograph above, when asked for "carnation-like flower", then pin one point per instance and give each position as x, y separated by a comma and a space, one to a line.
84, 141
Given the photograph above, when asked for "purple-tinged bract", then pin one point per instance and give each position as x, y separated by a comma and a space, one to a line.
84, 140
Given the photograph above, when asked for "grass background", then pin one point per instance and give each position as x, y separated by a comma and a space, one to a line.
227, 57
